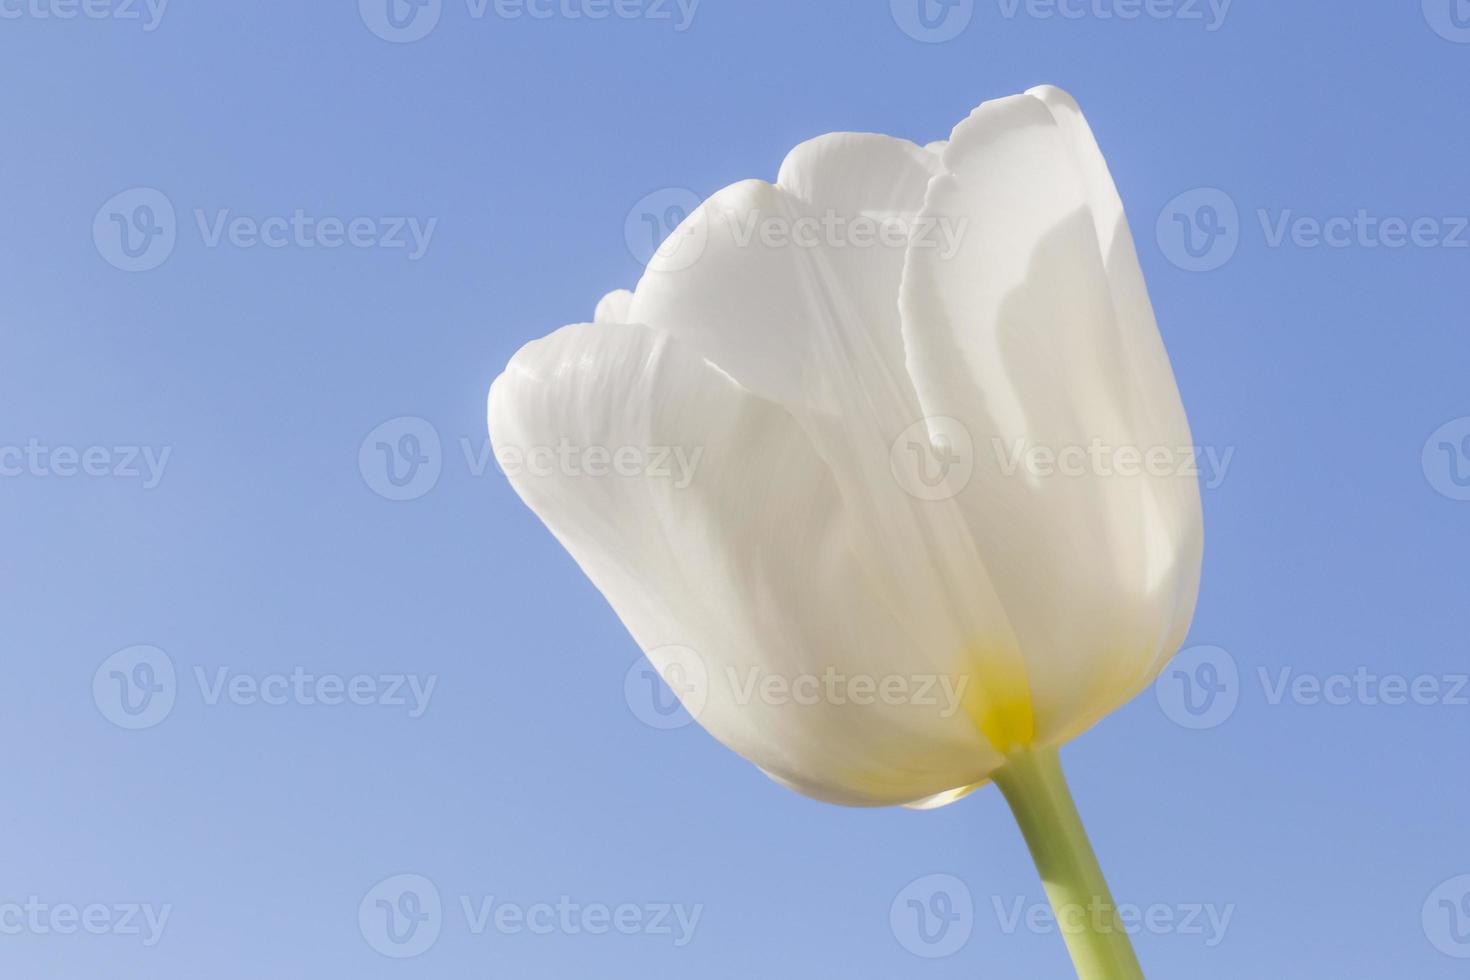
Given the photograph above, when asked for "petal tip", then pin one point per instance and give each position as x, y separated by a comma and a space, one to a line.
614, 307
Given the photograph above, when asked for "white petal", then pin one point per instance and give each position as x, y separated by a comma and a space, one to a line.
1131, 305
613, 308
815, 327
1034, 336
862, 177
748, 565
1159, 398
942, 799
781, 297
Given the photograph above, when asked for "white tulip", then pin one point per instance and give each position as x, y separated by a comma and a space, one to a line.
935, 432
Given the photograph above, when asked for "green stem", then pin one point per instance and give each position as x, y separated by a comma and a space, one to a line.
1033, 785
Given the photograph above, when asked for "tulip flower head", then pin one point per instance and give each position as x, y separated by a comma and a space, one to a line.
910, 551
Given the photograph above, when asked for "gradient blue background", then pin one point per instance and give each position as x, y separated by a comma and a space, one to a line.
529, 778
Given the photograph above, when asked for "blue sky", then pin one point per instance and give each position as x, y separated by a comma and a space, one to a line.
341, 224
